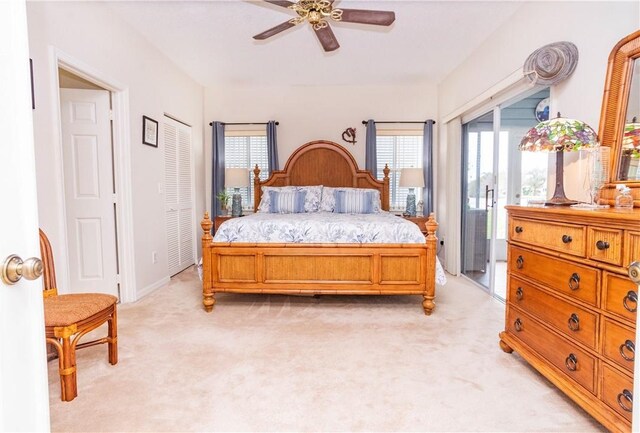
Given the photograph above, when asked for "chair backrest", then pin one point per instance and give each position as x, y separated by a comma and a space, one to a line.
49, 276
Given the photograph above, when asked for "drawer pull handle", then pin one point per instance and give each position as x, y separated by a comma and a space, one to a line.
574, 281
571, 362
630, 347
574, 322
519, 229
519, 294
566, 239
518, 324
632, 297
626, 395
602, 245
520, 262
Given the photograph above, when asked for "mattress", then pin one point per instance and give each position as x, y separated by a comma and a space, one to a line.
320, 227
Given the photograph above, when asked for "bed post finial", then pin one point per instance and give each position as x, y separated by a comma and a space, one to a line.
206, 225
385, 188
386, 171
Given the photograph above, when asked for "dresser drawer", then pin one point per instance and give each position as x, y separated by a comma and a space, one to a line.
564, 356
618, 343
617, 390
575, 322
620, 296
632, 248
572, 279
605, 245
566, 238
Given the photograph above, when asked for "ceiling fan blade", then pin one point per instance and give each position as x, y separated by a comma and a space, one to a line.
274, 30
378, 18
282, 3
327, 39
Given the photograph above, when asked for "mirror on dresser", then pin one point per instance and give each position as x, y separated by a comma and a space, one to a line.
620, 117
628, 169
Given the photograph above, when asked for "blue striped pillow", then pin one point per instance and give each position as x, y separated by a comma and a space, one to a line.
353, 201
286, 201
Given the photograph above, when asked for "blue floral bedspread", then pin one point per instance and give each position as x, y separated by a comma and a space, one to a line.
320, 227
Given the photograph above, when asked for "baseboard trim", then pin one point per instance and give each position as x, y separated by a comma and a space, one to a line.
151, 288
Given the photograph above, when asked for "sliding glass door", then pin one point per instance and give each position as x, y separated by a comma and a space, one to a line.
496, 174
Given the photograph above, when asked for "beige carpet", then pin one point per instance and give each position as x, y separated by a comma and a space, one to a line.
331, 363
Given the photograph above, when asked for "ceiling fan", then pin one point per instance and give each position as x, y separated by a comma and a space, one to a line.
318, 12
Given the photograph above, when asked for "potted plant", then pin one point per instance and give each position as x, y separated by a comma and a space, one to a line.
223, 198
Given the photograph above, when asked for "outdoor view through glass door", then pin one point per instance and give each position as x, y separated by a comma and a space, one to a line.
496, 174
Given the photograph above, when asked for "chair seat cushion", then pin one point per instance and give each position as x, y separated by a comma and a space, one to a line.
65, 310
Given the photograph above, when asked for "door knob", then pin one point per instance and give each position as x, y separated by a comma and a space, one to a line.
634, 272
13, 269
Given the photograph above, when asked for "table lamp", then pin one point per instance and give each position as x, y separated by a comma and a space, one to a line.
559, 135
411, 178
236, 178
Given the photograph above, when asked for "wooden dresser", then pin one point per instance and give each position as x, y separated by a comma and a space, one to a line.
571, 307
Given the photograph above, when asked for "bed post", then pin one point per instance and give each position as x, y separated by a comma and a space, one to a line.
385, 189
430, 288
257, 192
208, 299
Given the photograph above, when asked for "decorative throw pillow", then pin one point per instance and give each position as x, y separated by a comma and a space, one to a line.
328, 202
353, 201
286, 201
312, 197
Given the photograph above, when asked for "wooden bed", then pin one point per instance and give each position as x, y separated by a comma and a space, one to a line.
336, 269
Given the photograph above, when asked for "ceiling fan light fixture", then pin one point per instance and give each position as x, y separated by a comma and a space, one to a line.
318, 12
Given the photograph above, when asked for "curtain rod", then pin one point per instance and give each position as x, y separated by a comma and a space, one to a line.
364, 122
224, 123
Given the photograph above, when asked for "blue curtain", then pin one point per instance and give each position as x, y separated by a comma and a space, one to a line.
217, 167
370, 156
272, 147
427, 167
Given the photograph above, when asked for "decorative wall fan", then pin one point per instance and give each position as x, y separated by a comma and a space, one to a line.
318, 12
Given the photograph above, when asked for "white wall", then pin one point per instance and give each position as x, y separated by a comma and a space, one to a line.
594, 27
92, 34
315, 112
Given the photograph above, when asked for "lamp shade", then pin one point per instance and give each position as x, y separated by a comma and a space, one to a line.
559, 135
411, 178
236, 177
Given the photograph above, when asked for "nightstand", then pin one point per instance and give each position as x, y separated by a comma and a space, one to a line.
420, 221
219, 220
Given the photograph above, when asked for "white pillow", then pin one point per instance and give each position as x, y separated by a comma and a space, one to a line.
311, 201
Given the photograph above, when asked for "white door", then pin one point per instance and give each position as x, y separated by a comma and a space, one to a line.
178, 195
24, 396
89, 191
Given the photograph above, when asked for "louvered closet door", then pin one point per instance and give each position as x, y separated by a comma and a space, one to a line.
178, 196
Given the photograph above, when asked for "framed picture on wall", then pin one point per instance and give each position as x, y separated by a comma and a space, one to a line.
149, 131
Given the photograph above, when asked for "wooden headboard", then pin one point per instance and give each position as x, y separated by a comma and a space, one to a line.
322, 163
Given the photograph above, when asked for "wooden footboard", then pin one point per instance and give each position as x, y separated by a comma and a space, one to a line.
349, 269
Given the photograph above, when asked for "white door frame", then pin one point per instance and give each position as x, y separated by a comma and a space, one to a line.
121, 166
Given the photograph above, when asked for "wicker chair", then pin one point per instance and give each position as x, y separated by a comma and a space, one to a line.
69, 317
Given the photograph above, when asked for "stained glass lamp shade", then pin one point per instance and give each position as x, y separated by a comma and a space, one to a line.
559, 135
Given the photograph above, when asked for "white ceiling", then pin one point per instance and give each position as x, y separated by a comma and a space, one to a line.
212, 41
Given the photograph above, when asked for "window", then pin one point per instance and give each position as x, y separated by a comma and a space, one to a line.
245, 150
400, 150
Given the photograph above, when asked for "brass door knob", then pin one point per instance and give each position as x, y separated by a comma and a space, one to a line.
14, 268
